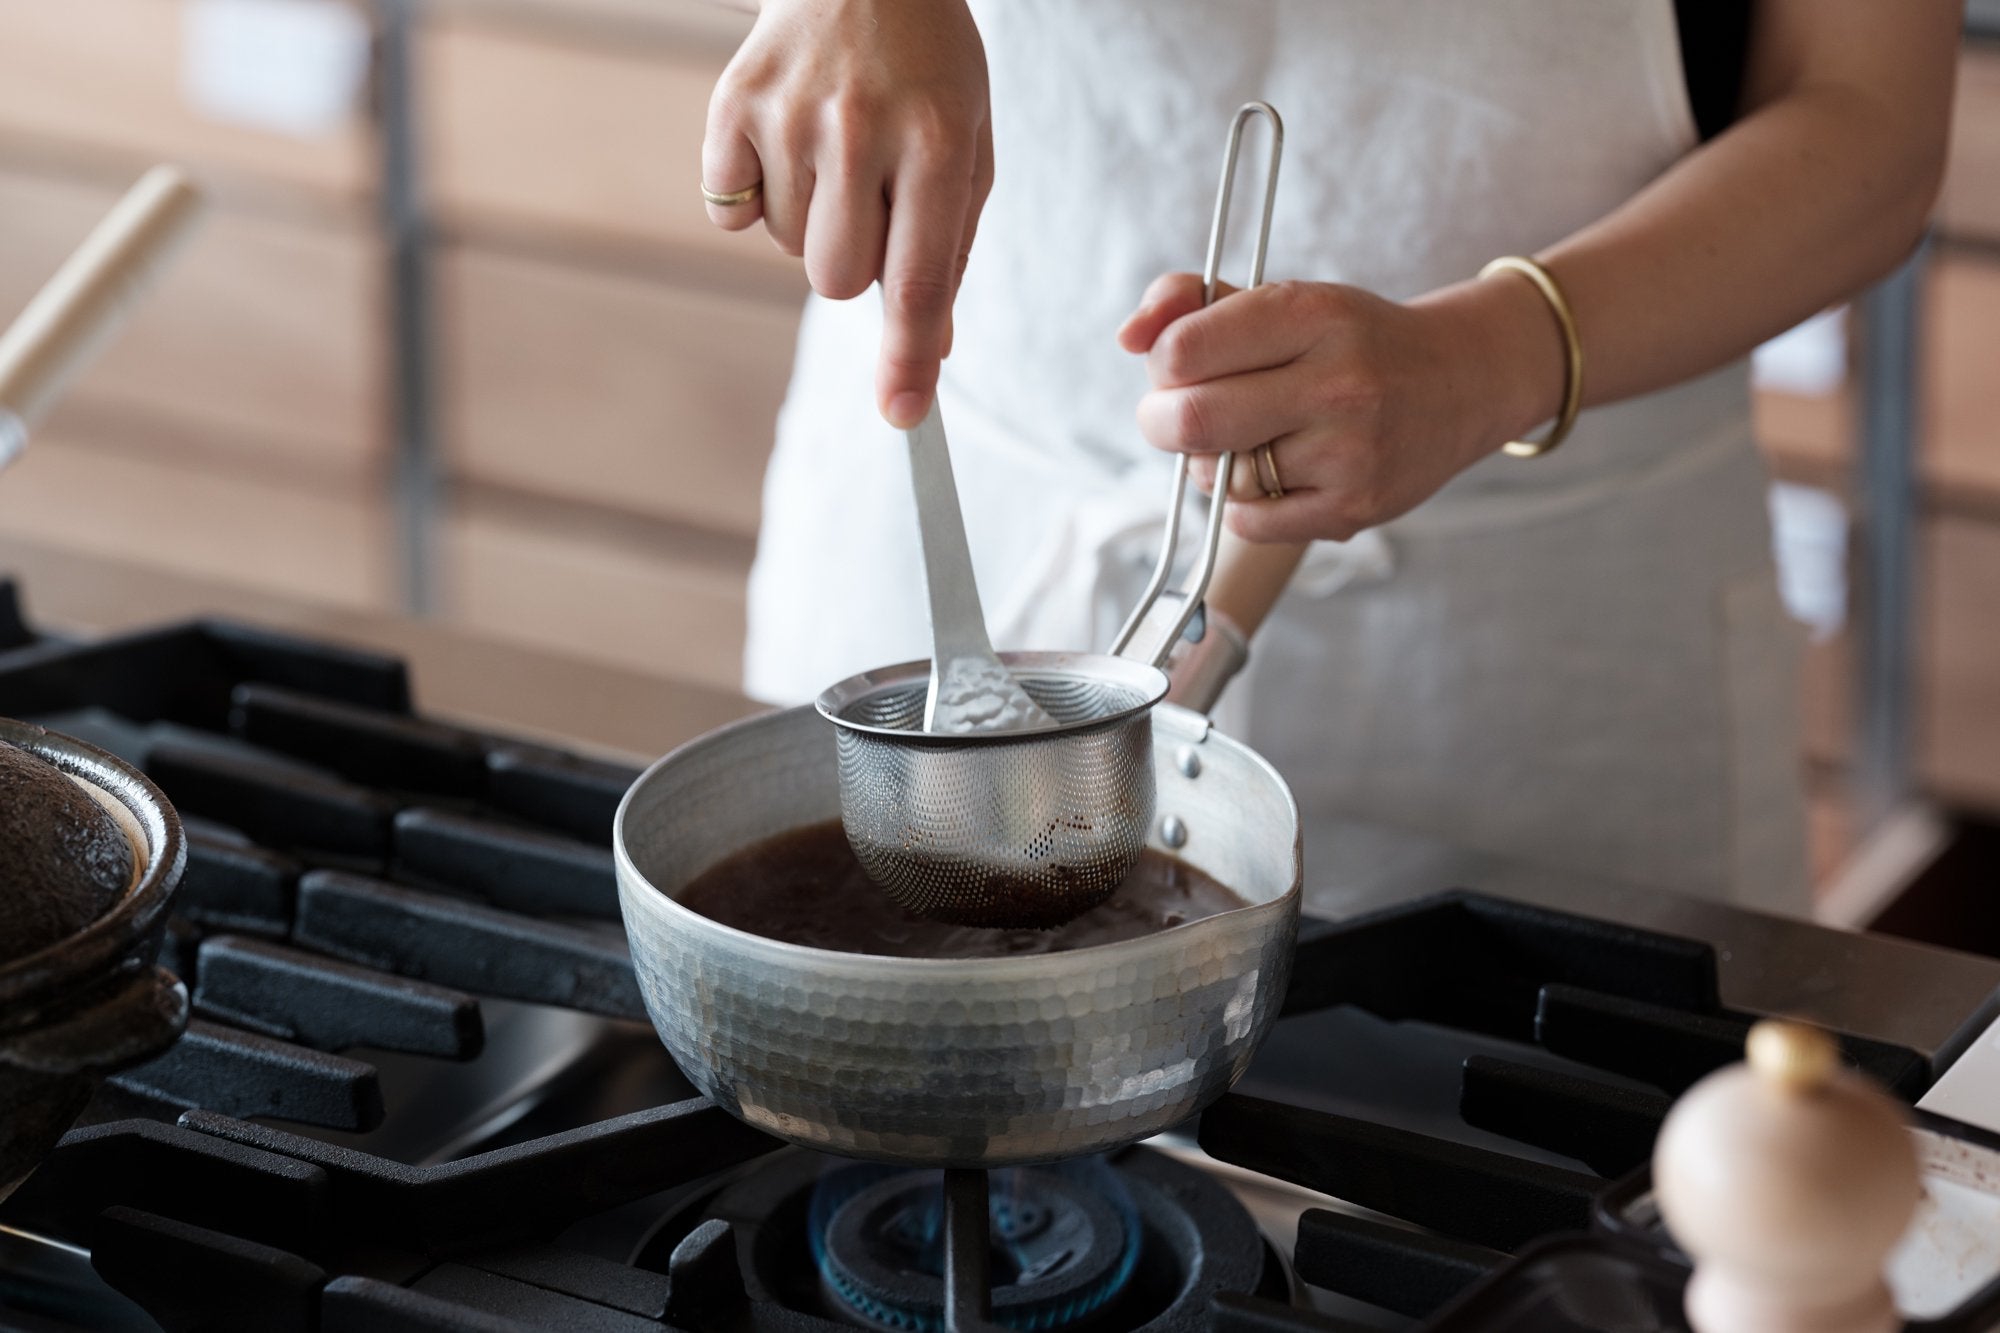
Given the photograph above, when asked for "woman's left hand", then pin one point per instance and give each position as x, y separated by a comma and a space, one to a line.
1369, 406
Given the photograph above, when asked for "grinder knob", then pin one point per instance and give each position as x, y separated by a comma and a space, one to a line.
1788, 1180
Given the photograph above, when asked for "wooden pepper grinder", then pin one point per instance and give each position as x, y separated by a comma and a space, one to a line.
1788, 1180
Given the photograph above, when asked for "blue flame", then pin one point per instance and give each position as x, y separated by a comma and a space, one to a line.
1008, 1190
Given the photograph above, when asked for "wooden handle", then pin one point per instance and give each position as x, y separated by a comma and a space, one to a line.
1246, 584
79, 308
1250, 578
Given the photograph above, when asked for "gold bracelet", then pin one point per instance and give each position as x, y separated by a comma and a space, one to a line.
1545, 283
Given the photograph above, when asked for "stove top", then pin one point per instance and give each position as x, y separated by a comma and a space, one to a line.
420, 1093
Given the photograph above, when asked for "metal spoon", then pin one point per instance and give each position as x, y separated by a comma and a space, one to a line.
970, 689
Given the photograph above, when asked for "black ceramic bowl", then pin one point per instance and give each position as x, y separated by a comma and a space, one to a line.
94, 1003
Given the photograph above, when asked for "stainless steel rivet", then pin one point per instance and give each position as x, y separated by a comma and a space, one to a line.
1173, 832
1188, 762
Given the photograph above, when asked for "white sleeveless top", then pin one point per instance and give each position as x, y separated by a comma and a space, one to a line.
1423, 138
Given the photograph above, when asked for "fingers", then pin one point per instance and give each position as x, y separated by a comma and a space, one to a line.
1236, 413
729, 163
1298, 515
1243, 483
1296, 518
788, 191
928, 206
982, 186
1268, 326
1201, 471
1170, 296
1182, 289
867, 123
847, 224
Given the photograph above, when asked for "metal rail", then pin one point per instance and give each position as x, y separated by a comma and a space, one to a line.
407, 232
1886, 506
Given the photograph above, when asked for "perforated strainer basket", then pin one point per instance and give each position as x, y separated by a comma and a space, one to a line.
1007, 829
1032, 827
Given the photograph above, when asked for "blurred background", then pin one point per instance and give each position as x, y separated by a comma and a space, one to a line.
458, 342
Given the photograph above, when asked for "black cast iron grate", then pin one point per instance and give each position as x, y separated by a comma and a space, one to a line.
362, 878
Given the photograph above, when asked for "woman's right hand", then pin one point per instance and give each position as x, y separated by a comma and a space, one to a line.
866, 121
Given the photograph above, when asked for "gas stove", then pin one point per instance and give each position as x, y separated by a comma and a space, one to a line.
420, 1093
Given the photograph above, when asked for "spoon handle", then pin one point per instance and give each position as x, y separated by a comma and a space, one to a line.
958, 626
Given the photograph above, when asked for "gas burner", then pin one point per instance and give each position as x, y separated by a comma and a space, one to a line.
1064, 1241
1115, 1242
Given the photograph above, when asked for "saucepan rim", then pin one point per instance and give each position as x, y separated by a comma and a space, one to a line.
631, 880
85, 955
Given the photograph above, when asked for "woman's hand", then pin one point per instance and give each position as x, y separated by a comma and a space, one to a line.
866, 121
1368, 406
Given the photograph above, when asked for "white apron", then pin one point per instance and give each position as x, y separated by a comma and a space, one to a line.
1579, 660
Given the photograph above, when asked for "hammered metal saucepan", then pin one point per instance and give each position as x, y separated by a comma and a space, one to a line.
956, 1062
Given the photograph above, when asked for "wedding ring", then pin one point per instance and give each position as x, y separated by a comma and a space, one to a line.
733, 197
1267, 472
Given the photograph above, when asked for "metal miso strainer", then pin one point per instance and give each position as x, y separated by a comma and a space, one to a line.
1032, 826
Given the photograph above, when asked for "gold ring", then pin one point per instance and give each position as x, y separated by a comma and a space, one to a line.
733, 197
1267, 472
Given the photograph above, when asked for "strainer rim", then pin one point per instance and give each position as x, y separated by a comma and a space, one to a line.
1147, 682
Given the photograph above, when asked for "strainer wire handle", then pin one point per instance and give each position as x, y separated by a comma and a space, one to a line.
1195, 586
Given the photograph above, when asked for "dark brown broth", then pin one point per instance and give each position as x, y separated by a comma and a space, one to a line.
805, 887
